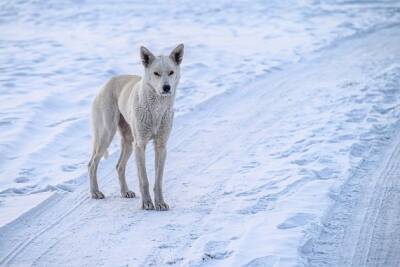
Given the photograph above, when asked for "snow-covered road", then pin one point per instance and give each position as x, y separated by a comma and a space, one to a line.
378, 240
362, 228
236, 199
285, 140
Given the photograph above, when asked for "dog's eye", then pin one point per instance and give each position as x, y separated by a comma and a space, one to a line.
170, 73
157, 74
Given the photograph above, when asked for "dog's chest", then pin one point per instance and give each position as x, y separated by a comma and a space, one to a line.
157, 116
151, 119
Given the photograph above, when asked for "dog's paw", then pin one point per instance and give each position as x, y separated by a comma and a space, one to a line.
161, 206
128, 194
97, 195
147, 205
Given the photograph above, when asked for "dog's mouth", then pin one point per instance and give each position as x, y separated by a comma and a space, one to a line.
166, 94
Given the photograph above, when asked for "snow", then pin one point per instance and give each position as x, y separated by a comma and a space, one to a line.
13, 207
280, 103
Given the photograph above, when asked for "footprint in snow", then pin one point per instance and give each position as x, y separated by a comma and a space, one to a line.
267, 261
299, 219
21, 179
348, 84
62, 122
5, 123
322, 174
69, 168
359, 150
341, 138
303, 162
24, 174
216, 250
249, 166
262, 204
174, 261
356, 115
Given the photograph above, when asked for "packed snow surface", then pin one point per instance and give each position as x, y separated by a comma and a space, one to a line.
284, 114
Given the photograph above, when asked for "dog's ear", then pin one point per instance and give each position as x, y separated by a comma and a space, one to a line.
177, 54
146, 56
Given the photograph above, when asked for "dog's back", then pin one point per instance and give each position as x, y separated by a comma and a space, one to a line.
105, 110
113, 88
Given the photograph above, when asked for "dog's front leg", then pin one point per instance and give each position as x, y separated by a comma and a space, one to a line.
160, 155
140, 148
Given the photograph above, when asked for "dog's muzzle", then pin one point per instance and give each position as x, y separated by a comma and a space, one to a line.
166, 89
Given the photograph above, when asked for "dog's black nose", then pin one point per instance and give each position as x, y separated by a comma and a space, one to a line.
166, 88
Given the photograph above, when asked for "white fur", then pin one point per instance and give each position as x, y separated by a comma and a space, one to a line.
141, 110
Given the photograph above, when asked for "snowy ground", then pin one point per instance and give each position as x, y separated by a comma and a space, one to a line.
284, 113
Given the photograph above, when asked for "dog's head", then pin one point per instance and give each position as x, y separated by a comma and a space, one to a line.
162, 72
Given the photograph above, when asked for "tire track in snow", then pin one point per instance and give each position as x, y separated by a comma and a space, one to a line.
379, 240
79, 198
15, 251
363, 228
363, 221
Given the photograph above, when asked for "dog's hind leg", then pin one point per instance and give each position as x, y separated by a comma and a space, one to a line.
105, 118
126, 152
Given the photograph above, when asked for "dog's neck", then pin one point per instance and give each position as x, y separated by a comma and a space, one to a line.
158, 102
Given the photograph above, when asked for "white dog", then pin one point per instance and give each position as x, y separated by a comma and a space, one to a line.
142, 109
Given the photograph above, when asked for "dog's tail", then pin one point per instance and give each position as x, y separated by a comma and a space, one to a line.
105, 156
